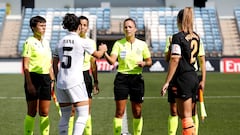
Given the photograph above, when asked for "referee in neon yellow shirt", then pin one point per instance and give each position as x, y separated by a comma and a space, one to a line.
132, 55
39, 78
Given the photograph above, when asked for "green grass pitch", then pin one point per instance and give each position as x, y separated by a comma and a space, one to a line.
222, 95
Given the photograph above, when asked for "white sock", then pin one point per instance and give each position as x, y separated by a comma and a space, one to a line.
81, 119
63, 124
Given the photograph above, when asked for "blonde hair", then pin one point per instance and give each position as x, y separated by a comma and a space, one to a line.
185, 18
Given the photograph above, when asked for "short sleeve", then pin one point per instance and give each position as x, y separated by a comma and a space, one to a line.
26, 49
201, 49
88, 47
146, 52
167, 44
175, 47
115, 48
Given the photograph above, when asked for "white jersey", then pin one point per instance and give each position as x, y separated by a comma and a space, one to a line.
87, 57
70, 51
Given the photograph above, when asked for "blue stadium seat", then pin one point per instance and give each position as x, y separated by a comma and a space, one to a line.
162, 46
162, 18
54, 18
2, 17
237, 16
155, 46
207, 25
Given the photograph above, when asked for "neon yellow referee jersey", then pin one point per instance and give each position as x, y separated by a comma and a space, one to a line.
129, 54
39, 53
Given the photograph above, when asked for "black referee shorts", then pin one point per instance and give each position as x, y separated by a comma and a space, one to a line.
42, 85
129, 84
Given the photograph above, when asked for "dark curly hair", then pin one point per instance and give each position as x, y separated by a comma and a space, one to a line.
70, 22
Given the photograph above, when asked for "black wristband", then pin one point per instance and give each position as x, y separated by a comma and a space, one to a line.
52, 81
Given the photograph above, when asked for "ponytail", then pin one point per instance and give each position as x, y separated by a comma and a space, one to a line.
187, 21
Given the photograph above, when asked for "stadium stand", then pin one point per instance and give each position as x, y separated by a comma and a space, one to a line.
161, 23
99, 19
231, 36
8, 34
237, 16
156, 24
2, 17
211, 34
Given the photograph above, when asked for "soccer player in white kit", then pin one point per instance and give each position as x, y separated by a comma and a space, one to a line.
67, 64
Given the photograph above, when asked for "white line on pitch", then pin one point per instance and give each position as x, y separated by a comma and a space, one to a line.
103, 98
210, 97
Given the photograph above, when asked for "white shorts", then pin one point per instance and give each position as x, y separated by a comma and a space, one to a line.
75, 94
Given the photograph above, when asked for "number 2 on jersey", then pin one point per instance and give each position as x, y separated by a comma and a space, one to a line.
194, 47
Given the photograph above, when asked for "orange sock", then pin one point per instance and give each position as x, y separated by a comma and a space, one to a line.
188, 126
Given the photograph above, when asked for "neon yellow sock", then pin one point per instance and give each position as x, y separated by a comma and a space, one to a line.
88, 128
137, 126
70, 125
28, 125
196, 122
172, 124
44, 125
117, 126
